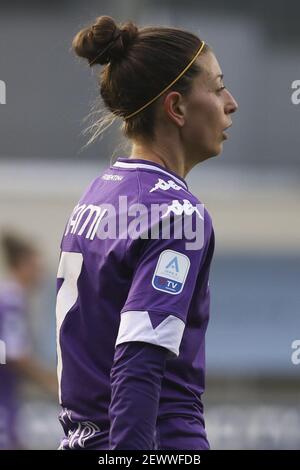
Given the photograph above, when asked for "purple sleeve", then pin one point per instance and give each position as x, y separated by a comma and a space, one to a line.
163, 284
136, 377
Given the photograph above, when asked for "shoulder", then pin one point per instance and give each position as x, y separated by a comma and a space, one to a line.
172, 195
157, 187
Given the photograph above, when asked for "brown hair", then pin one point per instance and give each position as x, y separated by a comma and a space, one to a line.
139, 64
15, 249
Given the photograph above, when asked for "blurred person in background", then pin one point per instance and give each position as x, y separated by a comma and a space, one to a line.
24, 274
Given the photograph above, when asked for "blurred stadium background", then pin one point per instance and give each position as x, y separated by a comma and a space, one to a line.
252, 192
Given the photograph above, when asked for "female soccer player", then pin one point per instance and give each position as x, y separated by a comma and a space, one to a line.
132, 310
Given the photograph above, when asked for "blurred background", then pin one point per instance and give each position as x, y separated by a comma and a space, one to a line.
252, 192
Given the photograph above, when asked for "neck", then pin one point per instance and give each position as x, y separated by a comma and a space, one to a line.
172, 160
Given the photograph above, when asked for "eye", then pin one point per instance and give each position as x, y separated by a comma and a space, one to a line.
221, 88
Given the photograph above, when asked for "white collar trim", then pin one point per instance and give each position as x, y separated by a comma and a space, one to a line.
134, 165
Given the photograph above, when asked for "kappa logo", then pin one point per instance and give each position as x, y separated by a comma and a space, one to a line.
165, 185
170, 272
179, 208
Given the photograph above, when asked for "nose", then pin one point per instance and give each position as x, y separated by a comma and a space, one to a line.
231, 104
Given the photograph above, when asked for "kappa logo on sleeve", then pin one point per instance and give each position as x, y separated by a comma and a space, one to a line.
185, 207
165, 185
171, 272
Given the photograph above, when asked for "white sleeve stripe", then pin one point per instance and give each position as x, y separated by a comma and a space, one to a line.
136, 325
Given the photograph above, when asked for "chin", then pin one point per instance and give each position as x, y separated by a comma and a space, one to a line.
214, 152
209, 153
218, 150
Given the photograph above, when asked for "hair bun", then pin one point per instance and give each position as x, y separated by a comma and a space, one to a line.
104, 41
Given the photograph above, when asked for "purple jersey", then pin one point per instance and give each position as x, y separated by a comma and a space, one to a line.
14, 334
133, 286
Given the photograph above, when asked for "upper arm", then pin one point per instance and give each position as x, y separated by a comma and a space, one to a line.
162, 288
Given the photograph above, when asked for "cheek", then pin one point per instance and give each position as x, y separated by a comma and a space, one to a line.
213, 115
203, 132
204, 116
197, 121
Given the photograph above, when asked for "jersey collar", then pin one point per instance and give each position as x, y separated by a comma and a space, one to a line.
135, 163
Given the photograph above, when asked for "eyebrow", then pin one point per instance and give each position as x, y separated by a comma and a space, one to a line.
221, 75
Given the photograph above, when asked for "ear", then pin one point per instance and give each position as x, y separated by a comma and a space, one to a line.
175, 108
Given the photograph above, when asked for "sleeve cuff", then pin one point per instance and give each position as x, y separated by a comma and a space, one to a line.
136, 325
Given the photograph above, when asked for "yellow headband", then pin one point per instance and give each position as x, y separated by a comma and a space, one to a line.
171, 84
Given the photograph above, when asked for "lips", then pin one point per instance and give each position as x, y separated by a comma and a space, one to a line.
225, 135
